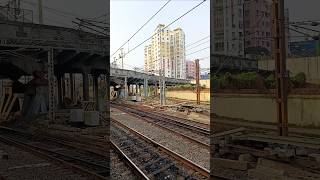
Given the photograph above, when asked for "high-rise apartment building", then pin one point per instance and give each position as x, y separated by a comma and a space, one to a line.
166, 53
258, 24
228, 30
243, 27
190, 69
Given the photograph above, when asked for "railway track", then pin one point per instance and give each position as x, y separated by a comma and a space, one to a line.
165, 114
154, 160
122, 167
178, 126
88, 163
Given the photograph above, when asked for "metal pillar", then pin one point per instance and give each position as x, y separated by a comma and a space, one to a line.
51, 85
145, 87
125, 87
280, 64
197, 80
85, 79
162, 90
96, 91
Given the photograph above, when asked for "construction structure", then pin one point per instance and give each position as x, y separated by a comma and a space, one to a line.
50, 54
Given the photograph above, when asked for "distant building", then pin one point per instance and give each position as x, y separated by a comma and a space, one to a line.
190, 69
205, 75
166, 53
228, 29
258, 26
243, 28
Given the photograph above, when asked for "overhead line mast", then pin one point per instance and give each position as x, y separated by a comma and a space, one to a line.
280, 64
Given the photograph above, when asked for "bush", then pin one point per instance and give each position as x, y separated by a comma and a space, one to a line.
182, 87
215, 82
246, 80
270, 81
227, 81
299, 80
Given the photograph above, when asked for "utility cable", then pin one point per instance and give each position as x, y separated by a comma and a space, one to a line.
166, 26
198, 45
141, 27
198, 51
197, 41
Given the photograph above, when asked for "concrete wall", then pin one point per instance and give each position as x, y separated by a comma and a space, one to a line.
303, 110
309, 65
205, 82
189, 95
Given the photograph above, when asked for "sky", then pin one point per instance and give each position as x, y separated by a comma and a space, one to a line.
126, 17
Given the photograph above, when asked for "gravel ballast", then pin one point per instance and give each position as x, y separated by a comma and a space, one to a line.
183, 147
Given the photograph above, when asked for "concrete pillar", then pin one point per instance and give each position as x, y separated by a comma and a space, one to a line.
145, 87
71, 75
63, 84
85, 83
96, 91
155, 89
137, 89
59, 79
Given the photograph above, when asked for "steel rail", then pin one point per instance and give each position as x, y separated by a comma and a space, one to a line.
187, 163
34, 150
127, 160
169, 119
192, 139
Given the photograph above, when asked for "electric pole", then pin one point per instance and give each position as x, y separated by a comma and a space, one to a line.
197, 80
52, 86
40, 11
162, 74
280, 64
122, 56
114, 63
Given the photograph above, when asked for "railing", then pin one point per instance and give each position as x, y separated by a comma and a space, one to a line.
15, 14
54, 44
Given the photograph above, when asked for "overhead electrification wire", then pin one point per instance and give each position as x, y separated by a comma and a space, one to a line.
198, 51
309, 29
55, 10
142, 27
300, 32
167, 26
197, 41
198, 45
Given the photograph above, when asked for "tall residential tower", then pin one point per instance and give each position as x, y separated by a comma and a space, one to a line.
243, 28
166, 53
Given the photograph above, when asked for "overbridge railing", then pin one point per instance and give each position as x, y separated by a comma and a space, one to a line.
15, 14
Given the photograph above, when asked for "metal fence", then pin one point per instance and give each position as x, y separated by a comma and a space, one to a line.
16, 14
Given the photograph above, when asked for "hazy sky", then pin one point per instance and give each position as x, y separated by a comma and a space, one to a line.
126, 17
